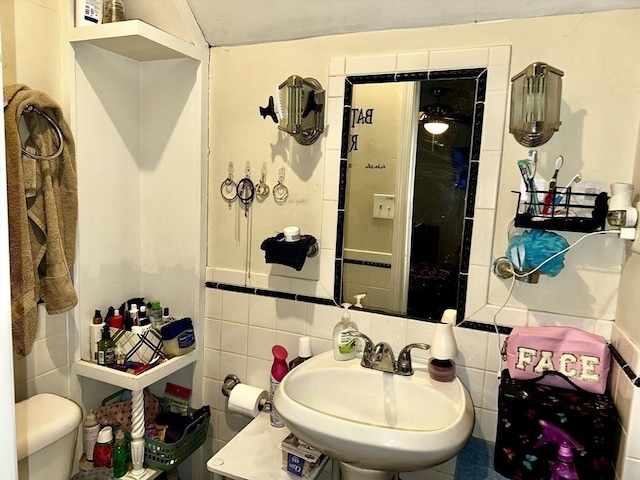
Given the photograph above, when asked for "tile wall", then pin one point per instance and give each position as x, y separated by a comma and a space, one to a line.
240, 330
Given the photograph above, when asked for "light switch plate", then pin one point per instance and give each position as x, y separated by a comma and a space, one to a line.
384, 206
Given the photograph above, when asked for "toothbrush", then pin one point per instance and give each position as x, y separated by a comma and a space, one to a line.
550, 197
577, 178
533, 168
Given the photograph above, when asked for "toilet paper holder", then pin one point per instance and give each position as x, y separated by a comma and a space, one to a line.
230, 381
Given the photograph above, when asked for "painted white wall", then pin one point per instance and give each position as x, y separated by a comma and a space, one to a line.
240, 329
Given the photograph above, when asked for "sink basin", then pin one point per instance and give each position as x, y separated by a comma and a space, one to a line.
373, 420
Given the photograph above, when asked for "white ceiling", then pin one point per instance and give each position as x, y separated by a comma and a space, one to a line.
241, 22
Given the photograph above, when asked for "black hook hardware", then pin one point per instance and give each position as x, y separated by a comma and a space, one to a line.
269, 110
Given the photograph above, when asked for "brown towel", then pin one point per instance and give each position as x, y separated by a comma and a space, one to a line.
43, 210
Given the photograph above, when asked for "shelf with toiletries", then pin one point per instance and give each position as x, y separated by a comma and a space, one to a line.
131, 381
565, 211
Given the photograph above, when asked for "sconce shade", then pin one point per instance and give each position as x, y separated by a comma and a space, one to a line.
535, 104
435, 127
302, 108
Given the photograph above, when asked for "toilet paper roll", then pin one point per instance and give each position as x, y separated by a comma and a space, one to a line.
245, 400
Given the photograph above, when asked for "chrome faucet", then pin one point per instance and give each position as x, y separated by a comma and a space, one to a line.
404, 366
380, 356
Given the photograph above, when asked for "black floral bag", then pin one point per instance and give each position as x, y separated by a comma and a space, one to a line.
591, 419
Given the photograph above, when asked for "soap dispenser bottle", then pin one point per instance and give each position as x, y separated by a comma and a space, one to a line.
344, 346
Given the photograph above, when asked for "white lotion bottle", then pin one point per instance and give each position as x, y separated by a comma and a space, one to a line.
344, 346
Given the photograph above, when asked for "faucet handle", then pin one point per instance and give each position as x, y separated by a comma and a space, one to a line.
367, 353
404, 366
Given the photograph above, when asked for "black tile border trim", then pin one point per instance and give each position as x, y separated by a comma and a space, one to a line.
366, 263
483, 327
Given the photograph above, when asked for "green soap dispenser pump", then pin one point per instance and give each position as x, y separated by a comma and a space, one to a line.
344, 346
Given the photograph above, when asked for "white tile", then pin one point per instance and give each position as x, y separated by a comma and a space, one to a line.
331, 175
392, 330
490, 394
498, 78
327, 273
230, 424
633, 431
234, 338
261, 341
211, 333
329, 224
210, 394
429, 474
258, 373
336, 66
448, 467
624, 399
472, 347
53, 381
370, 65
477, 428
413, 62
488, 172
212, 303
232, 363
477, 287
463, 58
539, 319
420, 332
473, 380
500, 55
268, 282
290, 342
333, 120
291, 316
494, 120
321, 320
507, 316
335, 87
631, 469
222, 275
49, 325
604, 328
482, 240
319, 345
489, 425
50, 354
212, 364
627, 348
262, 311
235, 307
494, 362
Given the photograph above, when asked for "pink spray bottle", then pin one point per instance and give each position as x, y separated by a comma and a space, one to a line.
564, 468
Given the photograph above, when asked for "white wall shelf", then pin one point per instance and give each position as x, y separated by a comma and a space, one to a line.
137, 40
128, 380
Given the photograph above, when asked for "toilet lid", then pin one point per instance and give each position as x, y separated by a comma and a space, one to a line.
43, 419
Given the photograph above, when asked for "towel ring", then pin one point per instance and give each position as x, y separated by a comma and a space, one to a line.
32, 109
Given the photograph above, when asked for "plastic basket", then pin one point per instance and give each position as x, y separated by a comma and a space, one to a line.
167, 456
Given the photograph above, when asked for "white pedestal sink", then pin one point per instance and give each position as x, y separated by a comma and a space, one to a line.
374, 423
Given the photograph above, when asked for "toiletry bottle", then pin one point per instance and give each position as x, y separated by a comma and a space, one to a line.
106, 348
116, 320
103, 449
344, 347
126, 321
304, 352
142, 316
133, 315
121, 355
90, 429
166, 318
564, 468
95, 334
120, 455
88, 12
278, 371
155, 314
113, 11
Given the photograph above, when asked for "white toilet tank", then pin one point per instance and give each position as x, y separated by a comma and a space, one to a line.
47, 427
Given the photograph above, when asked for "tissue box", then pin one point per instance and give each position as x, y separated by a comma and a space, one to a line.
141, 346
299, 458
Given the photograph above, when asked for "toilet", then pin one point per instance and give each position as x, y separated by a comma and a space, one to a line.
47, 427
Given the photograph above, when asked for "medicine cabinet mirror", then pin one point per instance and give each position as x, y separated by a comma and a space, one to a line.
409, 194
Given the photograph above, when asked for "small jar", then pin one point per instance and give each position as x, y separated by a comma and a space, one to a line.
113, 11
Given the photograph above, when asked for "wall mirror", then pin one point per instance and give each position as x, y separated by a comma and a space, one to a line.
411, 143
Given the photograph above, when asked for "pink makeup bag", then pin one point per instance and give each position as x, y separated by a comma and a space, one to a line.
582, 357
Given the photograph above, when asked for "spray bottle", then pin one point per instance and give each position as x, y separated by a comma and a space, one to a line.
564, 468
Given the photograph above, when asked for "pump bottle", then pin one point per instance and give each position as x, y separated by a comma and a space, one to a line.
90, 429
304, 352
344, 346
106, 348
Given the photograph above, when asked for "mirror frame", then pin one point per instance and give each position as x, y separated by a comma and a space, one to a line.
479, 313
479, 75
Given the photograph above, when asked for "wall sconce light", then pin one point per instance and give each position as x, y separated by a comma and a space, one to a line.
301, 109
535, 104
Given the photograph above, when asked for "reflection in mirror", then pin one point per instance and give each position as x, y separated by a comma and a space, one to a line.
409, 193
